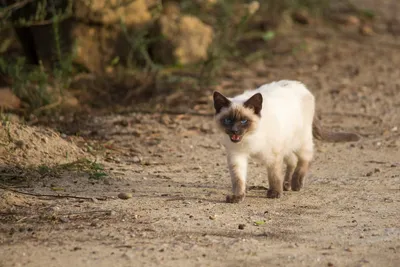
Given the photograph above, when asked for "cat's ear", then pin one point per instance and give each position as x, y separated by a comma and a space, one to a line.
255, 103
220, 101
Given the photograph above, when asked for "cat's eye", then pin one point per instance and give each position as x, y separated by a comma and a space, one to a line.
243, 121
227, 121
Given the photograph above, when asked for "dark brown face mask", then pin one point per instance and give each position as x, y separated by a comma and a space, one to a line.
234, 122
235, 125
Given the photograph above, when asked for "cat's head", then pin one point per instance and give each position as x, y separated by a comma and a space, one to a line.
237, 119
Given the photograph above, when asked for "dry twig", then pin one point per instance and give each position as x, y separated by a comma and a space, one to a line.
50, 195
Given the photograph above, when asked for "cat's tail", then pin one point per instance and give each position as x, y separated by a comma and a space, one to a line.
323, 134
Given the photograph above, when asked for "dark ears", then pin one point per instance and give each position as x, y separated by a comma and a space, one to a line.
255, 103
220, 101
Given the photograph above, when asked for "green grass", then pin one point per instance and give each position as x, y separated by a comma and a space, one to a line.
93, 169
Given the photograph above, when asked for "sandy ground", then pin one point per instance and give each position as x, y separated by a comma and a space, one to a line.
173, 165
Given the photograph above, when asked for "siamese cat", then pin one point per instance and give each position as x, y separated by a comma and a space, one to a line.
275, 123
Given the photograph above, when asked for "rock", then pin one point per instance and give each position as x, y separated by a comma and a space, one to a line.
349, 20
98, 34
64, 219
136, 159
94, 48
8, 100
352, 20
112, 11
124, 196
366, 30
165, 120
301, 16
253, 7
186, 39
69, 101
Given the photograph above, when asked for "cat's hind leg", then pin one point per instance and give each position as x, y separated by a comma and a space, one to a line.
291, 162
238, 169
304, 156
275, 177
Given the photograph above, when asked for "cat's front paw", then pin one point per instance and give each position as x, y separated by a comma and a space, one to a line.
271, 193
234, 198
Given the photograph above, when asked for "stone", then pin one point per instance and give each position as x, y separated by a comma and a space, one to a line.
302, 16
8, 100
112, 11
186, 39
98, 35
124, 195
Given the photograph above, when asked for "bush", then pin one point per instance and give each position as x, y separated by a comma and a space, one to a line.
41, 81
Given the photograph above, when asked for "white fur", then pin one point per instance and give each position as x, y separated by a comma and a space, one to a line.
284, 129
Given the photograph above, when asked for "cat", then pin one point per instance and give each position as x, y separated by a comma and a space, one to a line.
275, 123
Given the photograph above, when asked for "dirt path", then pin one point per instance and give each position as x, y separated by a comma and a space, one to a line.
347, 215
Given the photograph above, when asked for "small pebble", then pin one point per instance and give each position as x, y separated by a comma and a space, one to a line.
212, 217
388, 200
366, 30
64, 219
241, 226
124, 195
136, 159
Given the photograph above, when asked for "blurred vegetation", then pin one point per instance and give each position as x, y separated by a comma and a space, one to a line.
39, 57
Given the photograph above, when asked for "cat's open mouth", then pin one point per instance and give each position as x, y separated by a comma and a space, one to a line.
236, 138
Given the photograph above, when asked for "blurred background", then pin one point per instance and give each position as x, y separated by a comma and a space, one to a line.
109, 155
85, 55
